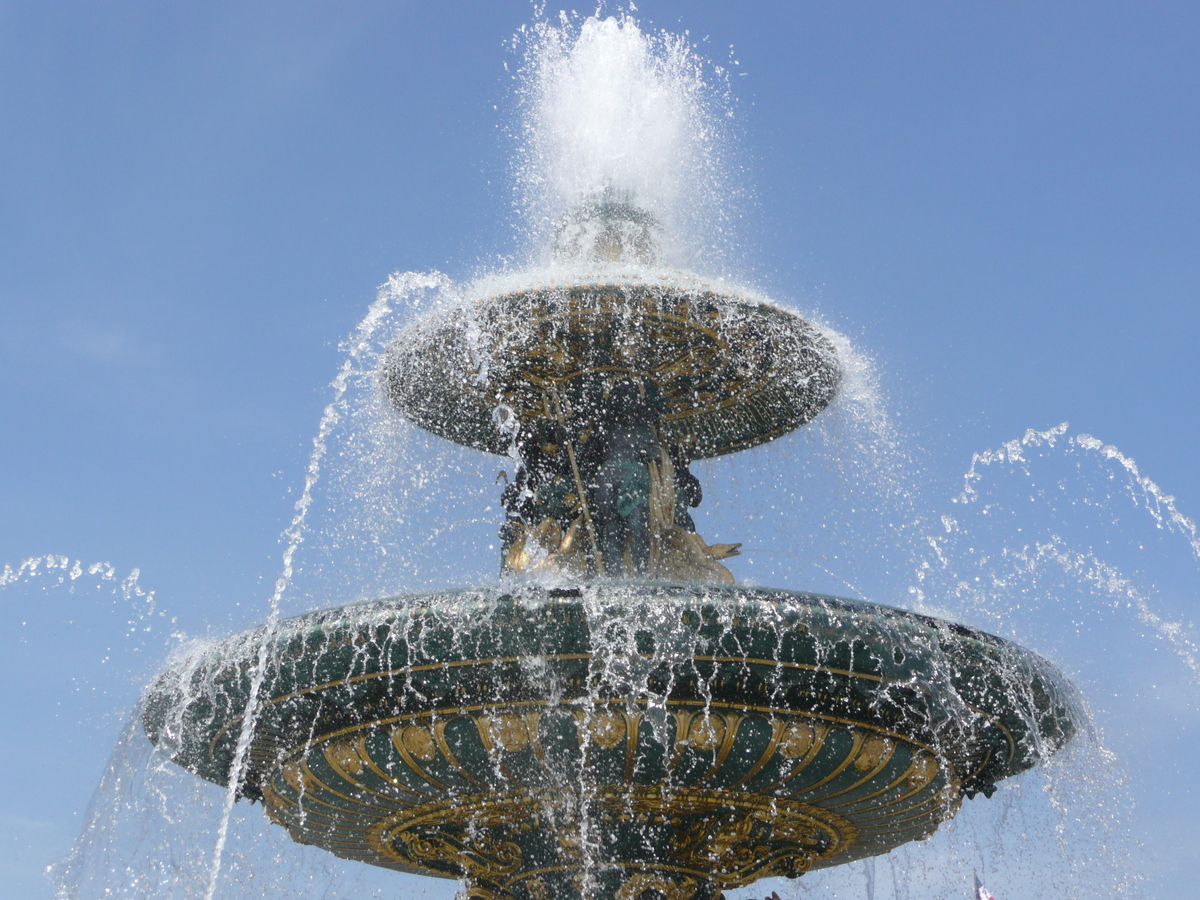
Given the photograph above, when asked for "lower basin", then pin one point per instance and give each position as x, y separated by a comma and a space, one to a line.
626, 741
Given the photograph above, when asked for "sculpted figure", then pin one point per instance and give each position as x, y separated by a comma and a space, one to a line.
626, 443
619, 508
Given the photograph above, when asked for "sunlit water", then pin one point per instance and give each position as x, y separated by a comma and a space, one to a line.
1055, 541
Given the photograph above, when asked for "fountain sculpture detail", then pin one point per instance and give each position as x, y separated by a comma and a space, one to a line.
600, 725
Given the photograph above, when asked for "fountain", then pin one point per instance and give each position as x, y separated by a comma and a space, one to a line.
617, 718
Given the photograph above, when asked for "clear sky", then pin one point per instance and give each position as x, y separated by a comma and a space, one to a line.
1000, 204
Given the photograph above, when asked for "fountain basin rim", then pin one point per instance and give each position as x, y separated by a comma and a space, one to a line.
732, 372
731, 608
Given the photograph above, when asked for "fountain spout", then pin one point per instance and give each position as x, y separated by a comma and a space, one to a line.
608, 228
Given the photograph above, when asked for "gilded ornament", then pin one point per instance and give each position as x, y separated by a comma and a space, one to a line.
636, 886
418, 741
706, 732
607, 728
345, 756
458, 851
507, 731
921, 772
798, 738
875, 750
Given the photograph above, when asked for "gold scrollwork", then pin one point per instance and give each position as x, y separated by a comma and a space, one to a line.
732, 838
739, 845
418, 741
443, 850
344, 755
680, 888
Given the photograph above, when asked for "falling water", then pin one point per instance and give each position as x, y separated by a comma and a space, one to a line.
293, 537
59, 614
606, 107
60, 570
841, 507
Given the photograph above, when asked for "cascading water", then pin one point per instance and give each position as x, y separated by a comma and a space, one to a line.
613, 117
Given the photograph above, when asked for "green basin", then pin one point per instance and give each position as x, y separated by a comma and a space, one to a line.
613, 740
732, 373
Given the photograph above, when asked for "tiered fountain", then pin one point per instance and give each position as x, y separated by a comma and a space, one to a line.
617, 719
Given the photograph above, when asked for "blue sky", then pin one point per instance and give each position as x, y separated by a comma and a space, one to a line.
999, 204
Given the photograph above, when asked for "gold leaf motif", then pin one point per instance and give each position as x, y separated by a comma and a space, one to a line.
344, 755
417, 740
607, 728
875, 750
921, 772
798, 738
506, 730
706, 732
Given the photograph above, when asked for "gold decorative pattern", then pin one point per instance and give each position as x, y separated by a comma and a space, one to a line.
344, 755
735, 837
874, 751
467, 854
510, 732
922, 771
706, 732
412, 761
606, 728
729, 838
683, 888
417, 740
798, 738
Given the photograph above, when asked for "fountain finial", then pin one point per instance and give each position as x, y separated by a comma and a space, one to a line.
608, 227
